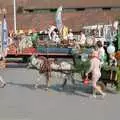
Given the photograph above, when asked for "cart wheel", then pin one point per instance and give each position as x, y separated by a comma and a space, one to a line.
101, 85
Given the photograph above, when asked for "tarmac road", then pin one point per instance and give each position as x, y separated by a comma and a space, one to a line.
20, 101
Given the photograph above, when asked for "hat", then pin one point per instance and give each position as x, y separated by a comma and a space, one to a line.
95, 54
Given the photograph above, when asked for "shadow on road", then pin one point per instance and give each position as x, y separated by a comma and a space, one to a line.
69, 89
108, 90
79, 89
29, 86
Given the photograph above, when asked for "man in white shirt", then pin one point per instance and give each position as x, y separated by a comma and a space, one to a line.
81, 39
70, 35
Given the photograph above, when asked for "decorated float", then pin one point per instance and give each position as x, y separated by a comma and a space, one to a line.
26, 46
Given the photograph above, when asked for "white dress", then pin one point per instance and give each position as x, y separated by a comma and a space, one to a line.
95, 69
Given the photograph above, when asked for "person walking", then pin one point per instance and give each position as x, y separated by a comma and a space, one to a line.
81, 39
96, 72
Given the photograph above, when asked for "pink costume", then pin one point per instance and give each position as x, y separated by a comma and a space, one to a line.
95, 69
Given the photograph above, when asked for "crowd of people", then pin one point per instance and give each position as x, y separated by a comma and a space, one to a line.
53, 35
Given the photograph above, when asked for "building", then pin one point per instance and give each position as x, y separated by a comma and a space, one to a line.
40, 14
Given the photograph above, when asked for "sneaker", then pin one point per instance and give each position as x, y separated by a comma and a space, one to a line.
94, 96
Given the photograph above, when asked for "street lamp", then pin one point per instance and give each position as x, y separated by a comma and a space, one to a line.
14, 7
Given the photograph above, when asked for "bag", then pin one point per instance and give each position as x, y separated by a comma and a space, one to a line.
85, 82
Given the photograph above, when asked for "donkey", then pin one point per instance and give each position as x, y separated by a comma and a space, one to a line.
45, 67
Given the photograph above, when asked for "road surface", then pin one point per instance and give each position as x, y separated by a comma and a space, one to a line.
20, 101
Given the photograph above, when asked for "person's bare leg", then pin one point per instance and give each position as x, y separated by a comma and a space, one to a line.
94, 92
97, 88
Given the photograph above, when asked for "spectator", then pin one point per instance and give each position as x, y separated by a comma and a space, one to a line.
70, 35
82, 38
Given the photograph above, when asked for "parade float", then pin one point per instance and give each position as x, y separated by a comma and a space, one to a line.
25, 46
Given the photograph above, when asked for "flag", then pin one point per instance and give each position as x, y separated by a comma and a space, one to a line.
4, 36
59, 18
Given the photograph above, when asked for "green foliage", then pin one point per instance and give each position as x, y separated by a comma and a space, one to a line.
118, 74
82, 66
118, 79
106, 74
108, 68
118, 86
118, 18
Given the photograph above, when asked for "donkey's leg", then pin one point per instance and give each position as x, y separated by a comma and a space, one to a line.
29, 65
65, 80
39, 78
47, 74
3, 83
64, 83
37, 83
72, 79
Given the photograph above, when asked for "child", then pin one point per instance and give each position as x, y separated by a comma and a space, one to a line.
96, 73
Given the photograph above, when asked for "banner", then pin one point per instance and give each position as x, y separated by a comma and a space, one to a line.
59, 18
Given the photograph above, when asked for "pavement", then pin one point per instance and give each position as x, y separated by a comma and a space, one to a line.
19, 100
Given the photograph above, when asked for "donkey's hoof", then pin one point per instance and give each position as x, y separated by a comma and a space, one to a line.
3, 85
46, 88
